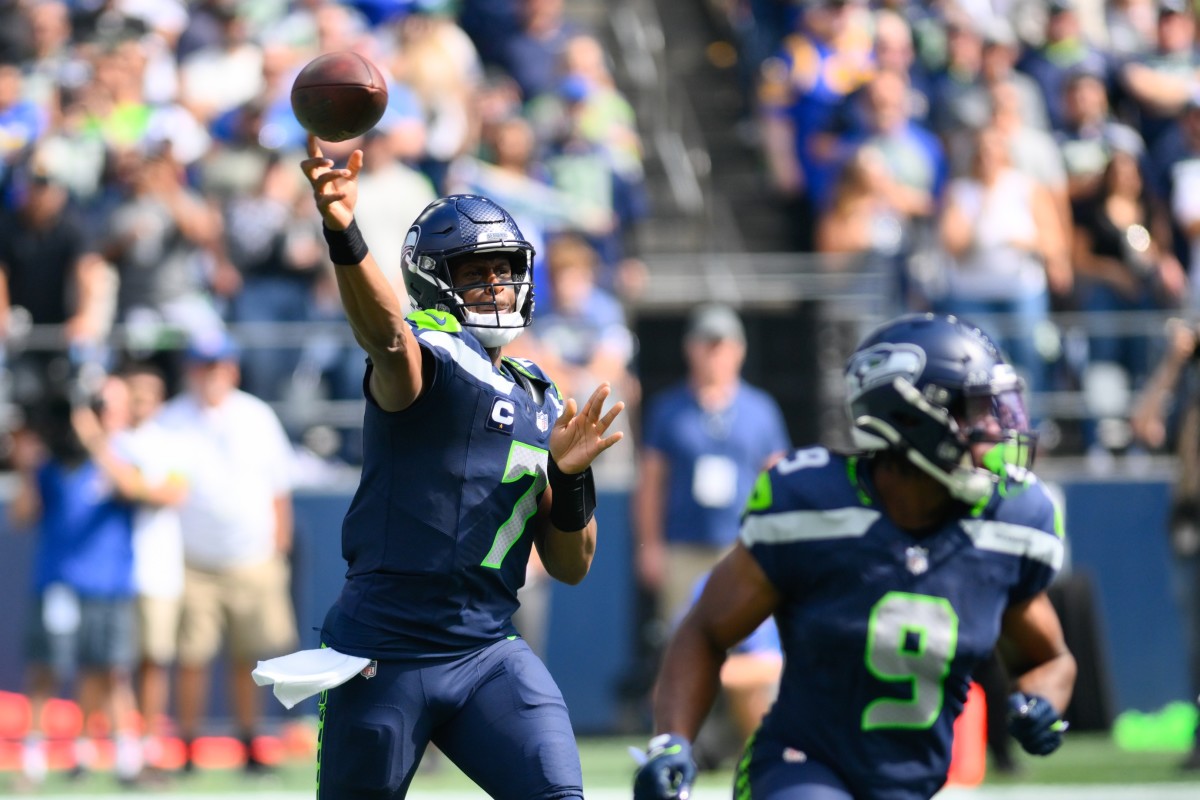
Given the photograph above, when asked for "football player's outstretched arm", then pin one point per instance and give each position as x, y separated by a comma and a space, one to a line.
1036, 653
736, 600
375, 313
566, 538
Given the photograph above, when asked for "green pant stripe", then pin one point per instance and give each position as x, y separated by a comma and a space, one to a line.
741, 782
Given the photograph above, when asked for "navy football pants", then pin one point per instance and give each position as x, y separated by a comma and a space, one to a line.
775, 772
496, 713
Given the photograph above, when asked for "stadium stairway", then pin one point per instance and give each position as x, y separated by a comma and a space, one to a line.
676, 62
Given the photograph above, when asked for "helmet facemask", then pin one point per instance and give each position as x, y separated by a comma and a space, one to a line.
944, 443
491, 326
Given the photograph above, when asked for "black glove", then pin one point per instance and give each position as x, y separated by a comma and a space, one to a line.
1034, 723
668, 772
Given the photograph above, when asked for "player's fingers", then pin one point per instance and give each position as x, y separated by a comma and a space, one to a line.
314, 149
596, 402
608, 418
312, 167
568, 413
609, 441
329, 176
354, 164
326, 200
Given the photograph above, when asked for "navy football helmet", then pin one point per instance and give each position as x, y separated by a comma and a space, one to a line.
930, 387
465, 224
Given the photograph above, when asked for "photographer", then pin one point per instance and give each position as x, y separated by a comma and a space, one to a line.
1177, 380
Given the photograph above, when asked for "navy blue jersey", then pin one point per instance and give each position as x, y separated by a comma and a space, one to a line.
880, 629
435, 538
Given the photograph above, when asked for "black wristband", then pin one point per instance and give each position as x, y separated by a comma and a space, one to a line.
572, 498
346, 247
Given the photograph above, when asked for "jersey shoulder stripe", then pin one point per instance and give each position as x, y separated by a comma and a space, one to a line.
785, 527
1017, 540
470, 361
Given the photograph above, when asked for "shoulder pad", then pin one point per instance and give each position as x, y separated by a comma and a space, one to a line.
434, 321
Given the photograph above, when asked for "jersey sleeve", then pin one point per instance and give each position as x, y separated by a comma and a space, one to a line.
1045, 557
1029, 525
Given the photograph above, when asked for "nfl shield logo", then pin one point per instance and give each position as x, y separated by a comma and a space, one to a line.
543, 421
369, 670
916, 559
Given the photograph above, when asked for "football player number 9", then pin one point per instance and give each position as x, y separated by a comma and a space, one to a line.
911, 639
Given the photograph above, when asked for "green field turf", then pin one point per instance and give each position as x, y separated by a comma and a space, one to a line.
1083, 768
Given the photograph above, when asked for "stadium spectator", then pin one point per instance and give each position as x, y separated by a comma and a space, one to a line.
440, 65
223, 74
1175, 170
862, 231
163, 241
237, 535
703, 442
157, 548
894, 552
51, 67
1160, 81
1119, 265
583, 338
914, 166
894, 52
431, 588
1131, 27
274, 243
1167, 414
1064, 49
605, 117
80, 492
1032, 152
978, 56
1089, 136
800, 93
1001, 261
49, 275
22, 122
531, 57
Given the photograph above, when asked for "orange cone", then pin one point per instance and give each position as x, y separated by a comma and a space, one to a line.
968, 757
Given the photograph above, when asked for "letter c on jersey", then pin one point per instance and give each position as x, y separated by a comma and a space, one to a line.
503, 415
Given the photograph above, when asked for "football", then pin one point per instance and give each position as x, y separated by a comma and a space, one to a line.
338, 96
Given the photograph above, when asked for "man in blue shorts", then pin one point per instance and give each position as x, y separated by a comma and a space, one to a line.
470, 460
892, 573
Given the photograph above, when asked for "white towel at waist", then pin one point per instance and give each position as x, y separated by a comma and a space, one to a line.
304, 673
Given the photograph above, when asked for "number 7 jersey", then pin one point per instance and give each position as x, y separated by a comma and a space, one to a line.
435, 539
880, 629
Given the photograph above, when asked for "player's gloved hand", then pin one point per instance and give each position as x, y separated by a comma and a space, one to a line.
1034, 723
668, 771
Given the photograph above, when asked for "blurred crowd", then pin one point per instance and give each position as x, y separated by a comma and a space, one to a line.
151, 193
1002, 160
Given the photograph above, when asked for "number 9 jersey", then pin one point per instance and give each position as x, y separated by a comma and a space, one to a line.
435, 538
881, 629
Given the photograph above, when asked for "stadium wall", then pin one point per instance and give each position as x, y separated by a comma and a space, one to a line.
1116, 537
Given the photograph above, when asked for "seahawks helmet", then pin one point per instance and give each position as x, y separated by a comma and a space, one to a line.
931, 386
459, 225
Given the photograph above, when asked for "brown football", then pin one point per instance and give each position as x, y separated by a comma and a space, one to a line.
338, 96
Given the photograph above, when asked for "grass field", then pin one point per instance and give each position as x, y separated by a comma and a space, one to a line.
1087, 766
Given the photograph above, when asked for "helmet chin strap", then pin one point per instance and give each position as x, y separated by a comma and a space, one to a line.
966, 484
